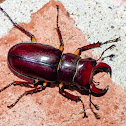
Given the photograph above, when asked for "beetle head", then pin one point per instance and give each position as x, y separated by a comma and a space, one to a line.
100, 67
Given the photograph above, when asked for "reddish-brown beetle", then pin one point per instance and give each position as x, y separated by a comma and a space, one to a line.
41, 64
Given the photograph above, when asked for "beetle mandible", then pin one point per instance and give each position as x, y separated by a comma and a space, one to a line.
32, 60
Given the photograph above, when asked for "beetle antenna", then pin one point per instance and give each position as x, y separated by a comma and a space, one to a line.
112, 55
110, 41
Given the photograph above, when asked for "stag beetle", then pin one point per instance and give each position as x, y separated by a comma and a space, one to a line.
43, 63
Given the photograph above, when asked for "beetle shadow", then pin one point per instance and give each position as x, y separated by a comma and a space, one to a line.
97, 116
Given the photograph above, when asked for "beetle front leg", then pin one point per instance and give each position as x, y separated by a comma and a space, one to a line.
72, 97
94, 45
33, 39
29, 92
96, 106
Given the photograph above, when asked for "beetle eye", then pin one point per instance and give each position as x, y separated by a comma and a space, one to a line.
94, 63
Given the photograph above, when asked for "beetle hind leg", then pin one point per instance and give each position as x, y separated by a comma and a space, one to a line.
35, 90
6, 87
16, 83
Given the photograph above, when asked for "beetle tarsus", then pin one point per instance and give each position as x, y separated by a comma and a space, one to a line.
59, 32
12, 105
95, 45
96, 106
85, 115
6, 86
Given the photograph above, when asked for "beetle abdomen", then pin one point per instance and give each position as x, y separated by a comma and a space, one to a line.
35, 60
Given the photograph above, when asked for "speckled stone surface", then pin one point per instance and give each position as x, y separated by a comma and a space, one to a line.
49, 108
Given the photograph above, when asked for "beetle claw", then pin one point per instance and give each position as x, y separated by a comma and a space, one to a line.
85, 116
10, 106
97, 107
107, 87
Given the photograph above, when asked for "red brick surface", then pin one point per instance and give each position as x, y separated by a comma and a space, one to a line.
2, 1
48, 107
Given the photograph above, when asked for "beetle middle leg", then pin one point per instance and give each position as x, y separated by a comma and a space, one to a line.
71, 96
33, 39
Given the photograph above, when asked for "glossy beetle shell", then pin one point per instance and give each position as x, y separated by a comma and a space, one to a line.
39, 61
35, 60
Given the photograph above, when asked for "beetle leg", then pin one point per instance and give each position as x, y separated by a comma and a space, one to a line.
6, 87
94, 45
29, 92
16, 83
33, 39
96, 106
26, 84
71, 96
59, 32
